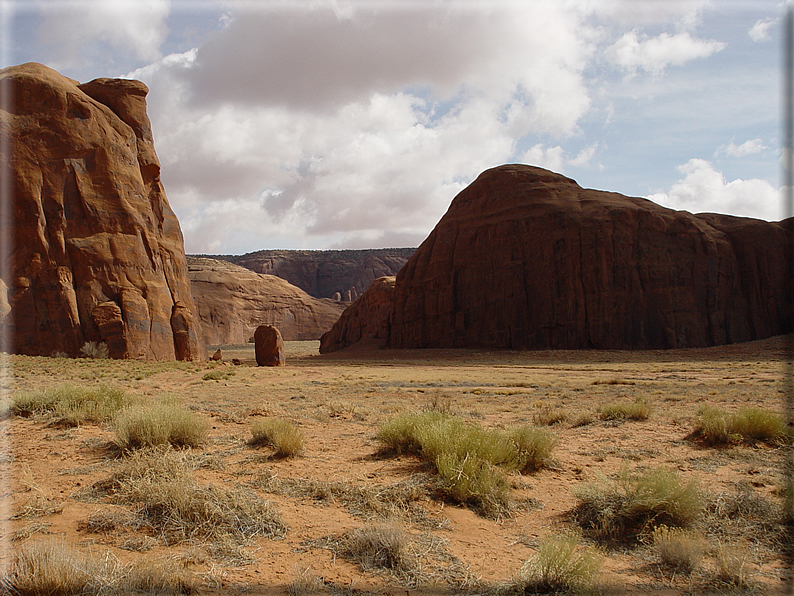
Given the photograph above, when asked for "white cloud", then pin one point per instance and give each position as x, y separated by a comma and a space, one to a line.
750, 147
704, 189
556, 158
760, 31
78, 30
634, 52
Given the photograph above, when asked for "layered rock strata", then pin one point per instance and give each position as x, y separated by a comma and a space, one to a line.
96, 253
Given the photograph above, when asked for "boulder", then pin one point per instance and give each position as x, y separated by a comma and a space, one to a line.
233, 301
268, 346
527, 259
366, 318
96, 252
217, 356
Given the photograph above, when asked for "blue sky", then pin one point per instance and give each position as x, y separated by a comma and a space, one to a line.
352, 124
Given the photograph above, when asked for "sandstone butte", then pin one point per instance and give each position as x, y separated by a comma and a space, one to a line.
233, 301
96, 252
527, 259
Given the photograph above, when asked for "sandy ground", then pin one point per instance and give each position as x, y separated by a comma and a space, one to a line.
339, 402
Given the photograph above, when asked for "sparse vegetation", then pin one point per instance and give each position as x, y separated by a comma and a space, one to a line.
561, 566
639, 409
470, 459
633, 504
678, 548
550, 416
716, 426
284, 436
159, 483
95, 350
71, 405
731, 567
219, 374
167, 422
380, 546
53, 569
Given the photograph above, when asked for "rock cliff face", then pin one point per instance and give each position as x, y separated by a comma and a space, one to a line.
367, 318
527, 259
233, 301
96, 252
323, 273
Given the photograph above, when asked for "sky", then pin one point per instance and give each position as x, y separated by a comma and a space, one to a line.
333, 124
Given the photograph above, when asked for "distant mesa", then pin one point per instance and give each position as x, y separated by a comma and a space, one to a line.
96, 253
233, 301
527, 259
342, 275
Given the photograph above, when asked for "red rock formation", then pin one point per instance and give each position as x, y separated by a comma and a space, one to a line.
527, 259
97, 253
366, 318
268, 346
233, 301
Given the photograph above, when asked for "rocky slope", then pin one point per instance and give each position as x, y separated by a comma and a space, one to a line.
233, 301
527, 259
340, 274
96, 253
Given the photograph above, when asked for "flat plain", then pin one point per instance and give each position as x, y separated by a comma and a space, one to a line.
56, 476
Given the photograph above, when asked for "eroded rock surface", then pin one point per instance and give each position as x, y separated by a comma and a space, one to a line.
96, 252
527, 259
233, 301
367, 318
268, 346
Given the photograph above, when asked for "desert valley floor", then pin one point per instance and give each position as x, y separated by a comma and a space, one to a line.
52, 475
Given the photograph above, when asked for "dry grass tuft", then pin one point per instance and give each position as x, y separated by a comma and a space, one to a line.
632, 504
716, 426
561, 566
639, 409
379, 547
52, 569
550, 416
175, 508
534, 446
150, 425
678, 548
284, 436
305, 583
95, 350
70, 405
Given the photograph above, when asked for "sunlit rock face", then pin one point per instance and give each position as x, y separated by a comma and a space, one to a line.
96, 252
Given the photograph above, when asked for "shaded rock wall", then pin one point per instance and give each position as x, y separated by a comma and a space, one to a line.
527, 259
233, 301
96, 252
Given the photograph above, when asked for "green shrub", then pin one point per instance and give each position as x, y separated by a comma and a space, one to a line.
399, 435
473, 481
561, 566
639, 409
678, 548
634, 503
718, 427
284, 436
534, 446
147, 425
70, 404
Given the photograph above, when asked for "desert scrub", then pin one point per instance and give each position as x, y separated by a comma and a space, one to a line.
219, 375
52, 568
95, 350
159, 483
631, 504
167, 422
715, 426
550, 416
379, 546
561, 566
678, 548
639, 409
70, 404
284, 436
533, 445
